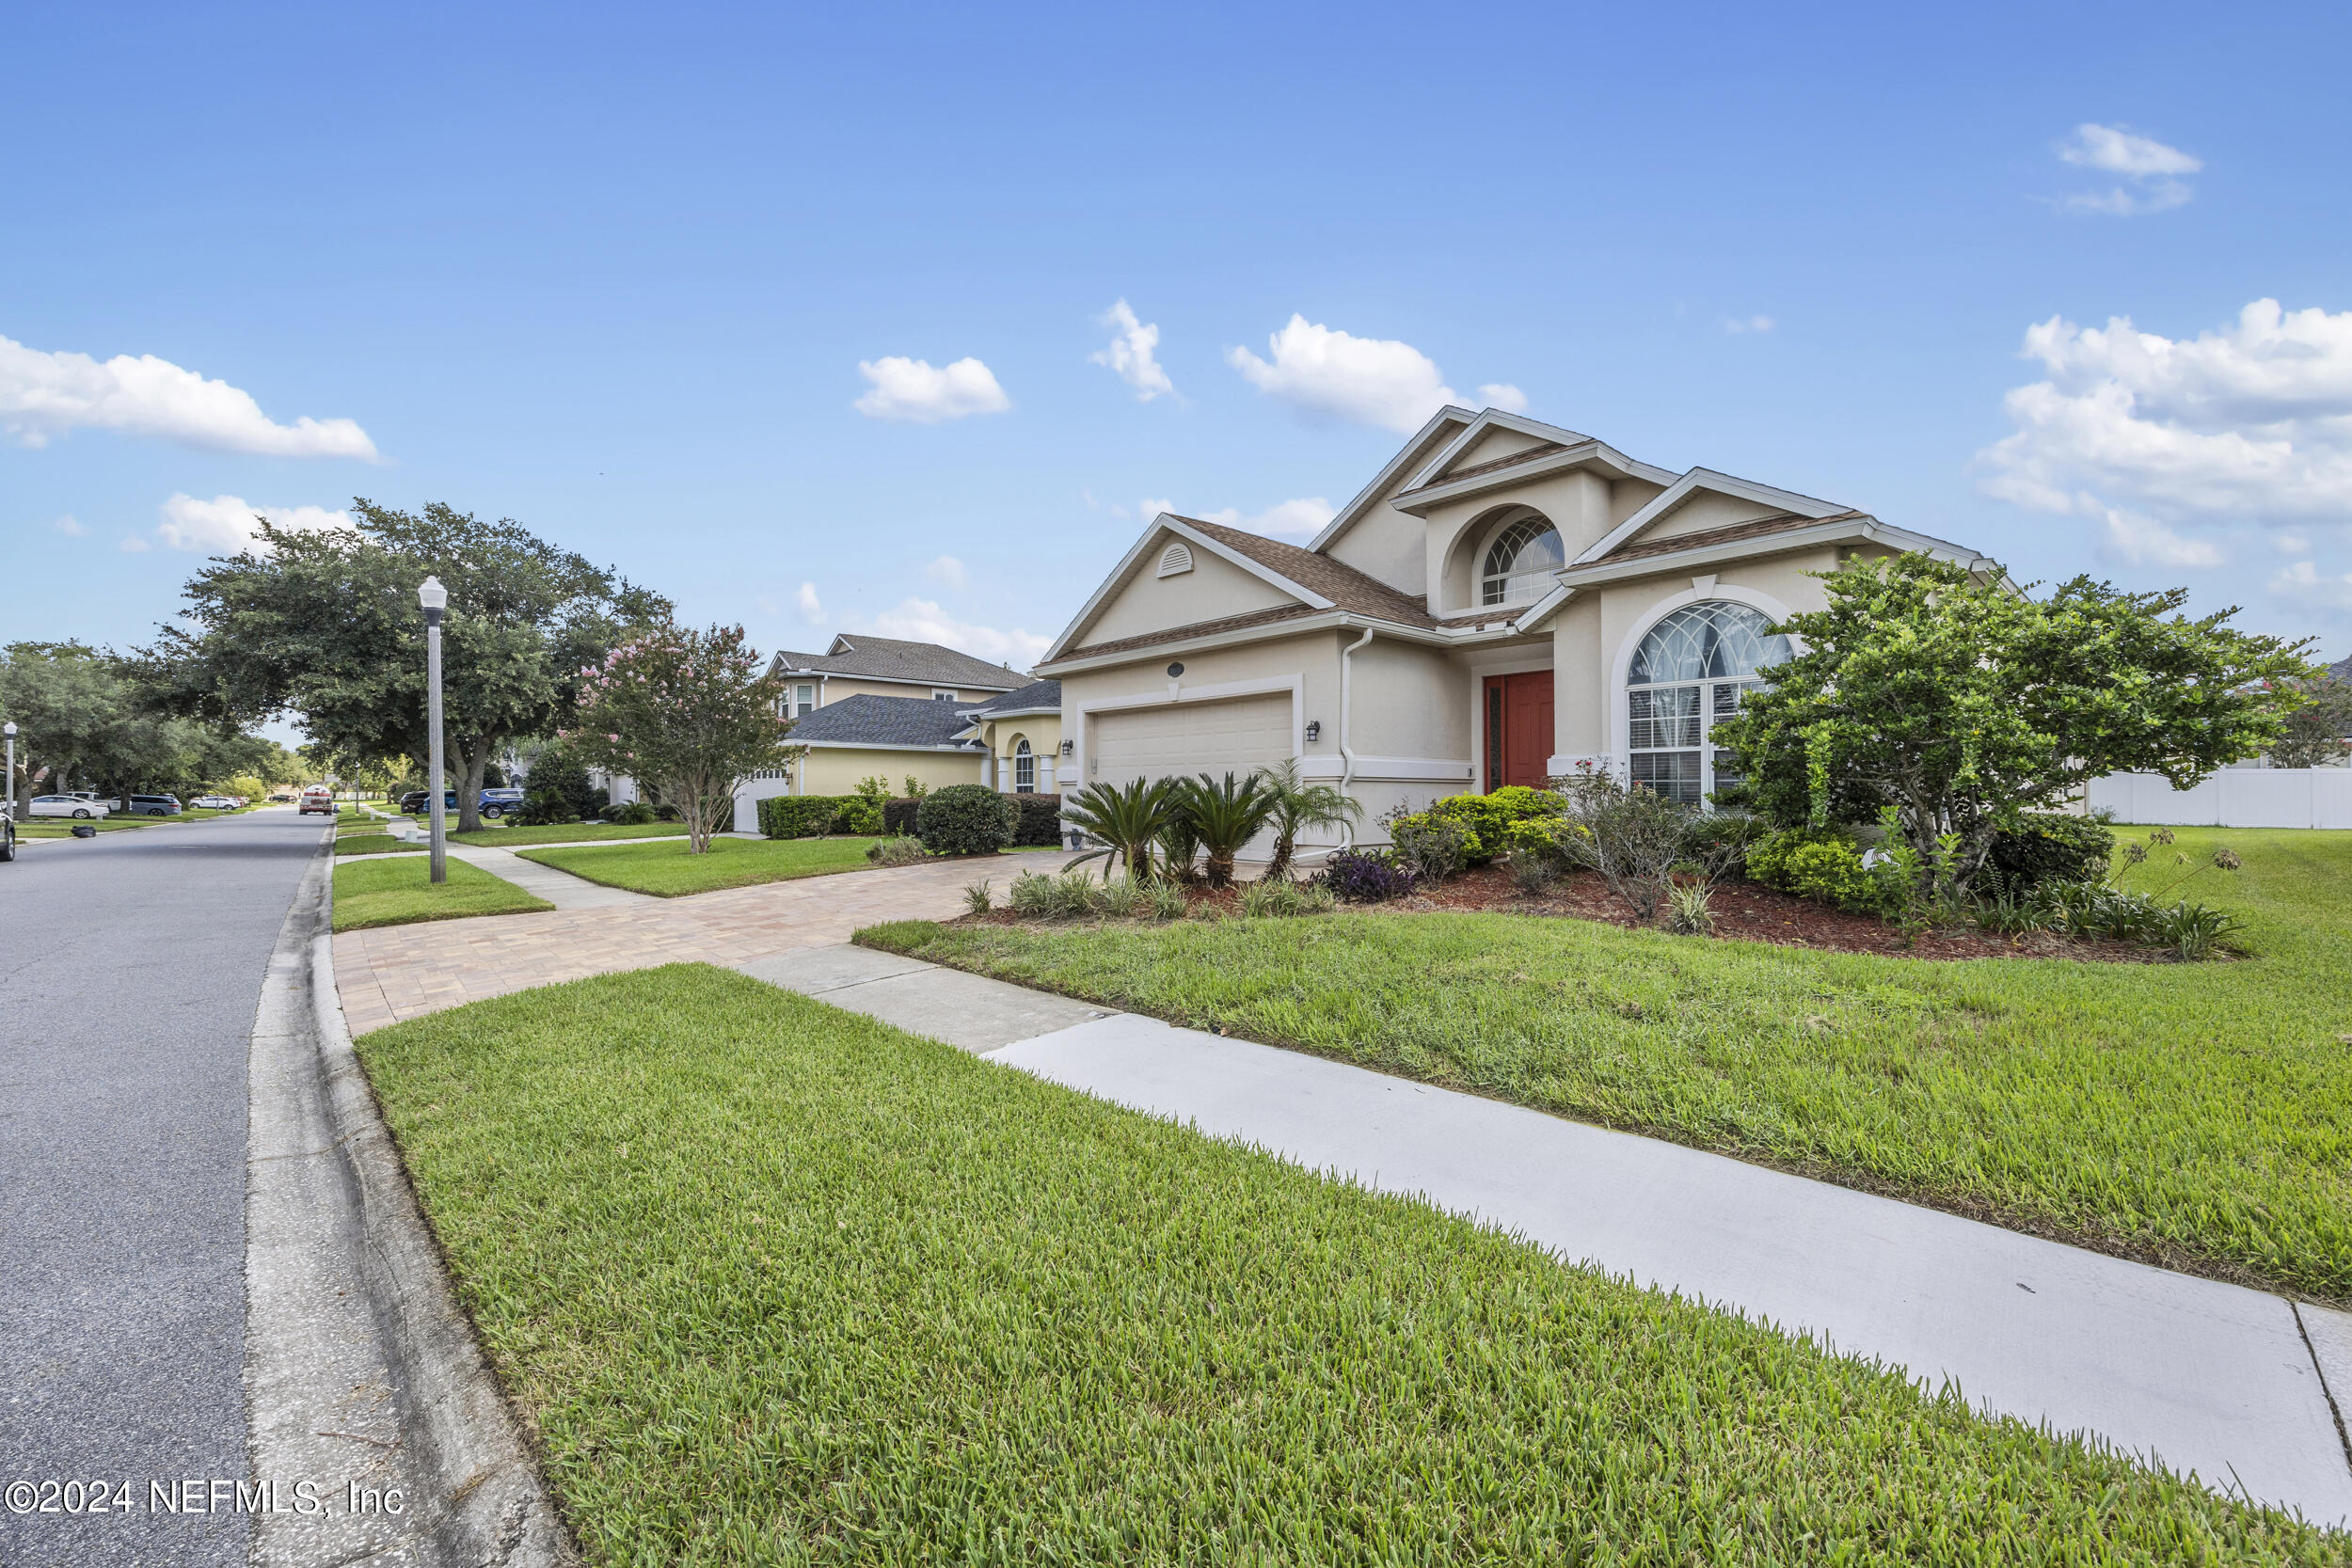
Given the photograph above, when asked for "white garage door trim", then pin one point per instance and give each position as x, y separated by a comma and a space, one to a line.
1177, 694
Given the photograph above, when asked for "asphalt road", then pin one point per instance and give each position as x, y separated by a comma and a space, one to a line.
133, 963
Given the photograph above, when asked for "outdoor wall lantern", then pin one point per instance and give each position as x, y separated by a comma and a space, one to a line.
1069, 747
1314, 729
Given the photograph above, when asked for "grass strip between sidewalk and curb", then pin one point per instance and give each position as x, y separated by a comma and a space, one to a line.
374, 843
776, 1282
2194, 1116
396, 890
665, 869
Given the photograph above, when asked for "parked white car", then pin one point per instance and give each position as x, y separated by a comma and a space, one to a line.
68, 805
218, 802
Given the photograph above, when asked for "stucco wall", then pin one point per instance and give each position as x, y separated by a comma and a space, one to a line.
1458, 532
1409, 701
1707, 509
826, 770
1043, 731
1386, 544
1213, 589
1580, 718
1312, 658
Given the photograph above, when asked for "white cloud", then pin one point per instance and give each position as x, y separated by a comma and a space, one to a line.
2250, 424
1148, 508
2291, 544
1737, 325
1129, 354
2302, 584
2152, 168
45, 395
923, 621
69, 525
811, 610
1502, 395
913, 391
2144, 542
133, 544
949, 570
225, 523
1375, 381
1302, 518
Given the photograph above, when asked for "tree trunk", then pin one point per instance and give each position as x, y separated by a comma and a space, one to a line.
472, 760
1279, 869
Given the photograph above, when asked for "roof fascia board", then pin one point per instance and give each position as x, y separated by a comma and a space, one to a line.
1417, 502
874, 746
1101, 595
1857, 529
1331, 620
1689, 484
1544, 608
909, 680
1370, 493
1494, 419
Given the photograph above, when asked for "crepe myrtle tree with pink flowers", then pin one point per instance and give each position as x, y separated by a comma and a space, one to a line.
691, 712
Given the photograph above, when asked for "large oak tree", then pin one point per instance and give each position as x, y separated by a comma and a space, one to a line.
324, 624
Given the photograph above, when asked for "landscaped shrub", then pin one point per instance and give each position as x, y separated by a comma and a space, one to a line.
859, 815
1365, 876
894, 851
1634, 837
1819, 863
800, 816
2047, 846
1431, 846
557, 791
1043, 896
1722, 836
1121, 897
1040, 820
899, 816
636, 813
964, 819
1488, 818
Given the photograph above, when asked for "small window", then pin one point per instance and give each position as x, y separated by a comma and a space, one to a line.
1175, 559
942, 696
1024, 768
803, 700
1520, 562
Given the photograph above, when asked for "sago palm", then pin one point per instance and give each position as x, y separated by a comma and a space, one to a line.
1127, 819
1225, 816
1299, 805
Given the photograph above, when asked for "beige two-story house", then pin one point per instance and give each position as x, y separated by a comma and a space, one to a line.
1505, 600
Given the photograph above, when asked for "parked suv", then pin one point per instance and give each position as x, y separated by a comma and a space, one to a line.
154, 805
317, 799
498, 803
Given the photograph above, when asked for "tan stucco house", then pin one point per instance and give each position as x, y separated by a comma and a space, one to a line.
878, 707
1505, 600
1019, 738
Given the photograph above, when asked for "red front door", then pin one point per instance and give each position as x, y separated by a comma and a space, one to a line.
1519, 729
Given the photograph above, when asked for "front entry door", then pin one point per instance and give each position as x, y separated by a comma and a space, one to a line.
1519, 729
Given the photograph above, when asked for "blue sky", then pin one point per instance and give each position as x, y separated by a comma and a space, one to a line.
613, 272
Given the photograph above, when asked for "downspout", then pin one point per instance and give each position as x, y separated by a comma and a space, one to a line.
1347, 753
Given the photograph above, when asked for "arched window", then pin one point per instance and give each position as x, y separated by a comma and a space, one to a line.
1691, 671
1520, 562
1024, 768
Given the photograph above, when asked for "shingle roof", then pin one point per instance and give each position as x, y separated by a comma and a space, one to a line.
869, 720
1730, 533
1493, 464
1036, 694
892, 658
1197, 628
1343, 585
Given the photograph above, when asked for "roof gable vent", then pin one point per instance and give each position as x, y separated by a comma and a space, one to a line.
1176, 558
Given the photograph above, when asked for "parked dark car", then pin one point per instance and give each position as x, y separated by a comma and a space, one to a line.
498, 803
413, 802
154, 805
495, 803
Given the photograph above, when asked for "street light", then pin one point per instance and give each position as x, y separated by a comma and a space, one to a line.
436, 599
8, 787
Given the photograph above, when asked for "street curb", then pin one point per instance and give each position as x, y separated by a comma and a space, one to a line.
491, 1504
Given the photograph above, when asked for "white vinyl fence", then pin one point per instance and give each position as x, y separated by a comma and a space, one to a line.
2233, 797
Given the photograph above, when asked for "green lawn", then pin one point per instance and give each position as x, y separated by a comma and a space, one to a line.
2199, 1116
395, 889
776, 1283
374, 843
664, 869
62, 827
514, 838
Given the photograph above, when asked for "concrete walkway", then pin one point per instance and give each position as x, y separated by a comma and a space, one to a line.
2229, 1383
559, 888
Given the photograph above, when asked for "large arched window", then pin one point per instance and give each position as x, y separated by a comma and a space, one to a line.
1520, 562
1690, 672
1024, 768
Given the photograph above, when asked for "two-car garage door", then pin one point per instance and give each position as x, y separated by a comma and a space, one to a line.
1179, 739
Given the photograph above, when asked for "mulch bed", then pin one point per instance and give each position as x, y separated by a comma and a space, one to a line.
1744, 912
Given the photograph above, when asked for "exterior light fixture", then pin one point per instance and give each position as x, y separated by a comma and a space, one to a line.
1069, 747
1315, 730
434, 598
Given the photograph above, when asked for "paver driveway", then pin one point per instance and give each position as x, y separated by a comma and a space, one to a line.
392, 973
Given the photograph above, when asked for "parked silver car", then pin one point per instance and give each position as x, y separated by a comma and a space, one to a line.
83, 806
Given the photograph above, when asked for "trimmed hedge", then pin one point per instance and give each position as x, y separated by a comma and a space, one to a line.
801, 815
898, 816
1040, 820
965, 819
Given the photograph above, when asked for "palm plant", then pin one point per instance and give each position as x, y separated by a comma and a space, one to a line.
1299, 805
1127, 820
1225, 816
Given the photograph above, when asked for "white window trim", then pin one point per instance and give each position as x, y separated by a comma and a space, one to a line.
1486, 548
1618, 759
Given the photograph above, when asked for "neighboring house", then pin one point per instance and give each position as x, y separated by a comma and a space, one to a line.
1506, 600
888, 667
1019, 738
877, 706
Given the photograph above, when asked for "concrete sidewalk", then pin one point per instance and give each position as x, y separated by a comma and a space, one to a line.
559, 888
2229, 1383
